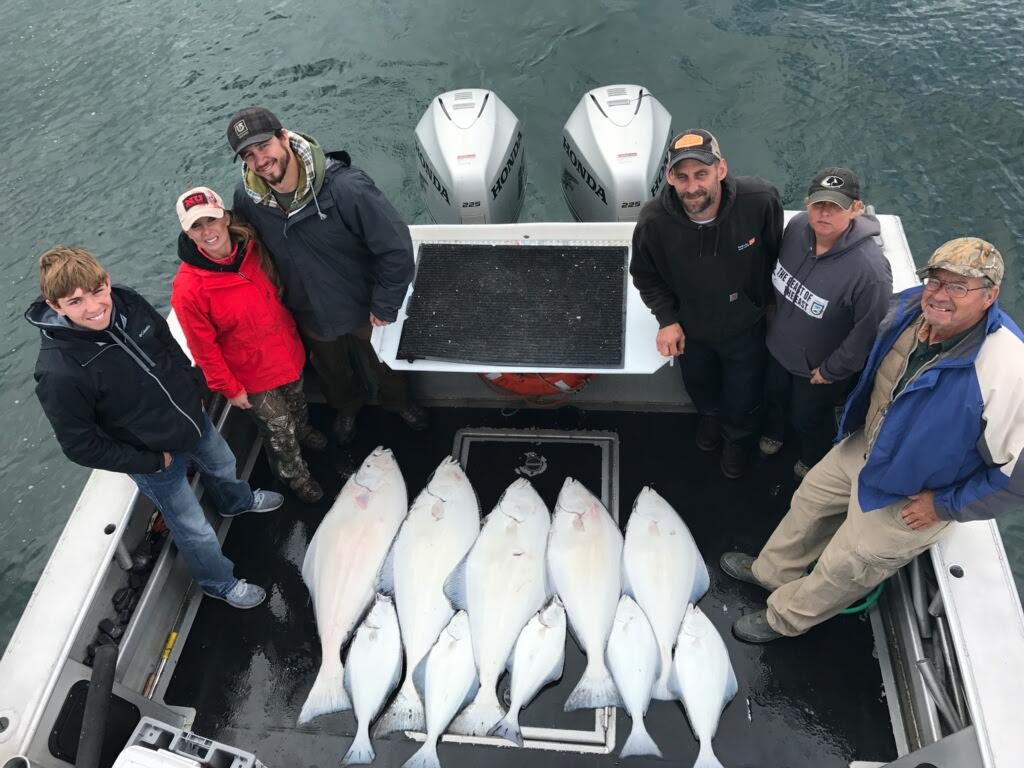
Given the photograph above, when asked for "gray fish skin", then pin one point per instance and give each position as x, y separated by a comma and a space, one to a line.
442, 525
584, 566
662, 570
446, 681
703, 680
502, 583
538, 660
372, 673
635, 662
341, 567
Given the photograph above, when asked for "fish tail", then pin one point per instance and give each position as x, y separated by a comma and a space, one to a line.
706, 758
508, 728
361, 752
639, 741
404, 714
661, 691
480, 716
425, 756
595, 689
328, 692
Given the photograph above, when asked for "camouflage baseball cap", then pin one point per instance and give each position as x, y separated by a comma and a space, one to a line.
967, 256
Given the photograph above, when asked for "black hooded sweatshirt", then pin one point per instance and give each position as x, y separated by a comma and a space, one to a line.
713, 279
118, 398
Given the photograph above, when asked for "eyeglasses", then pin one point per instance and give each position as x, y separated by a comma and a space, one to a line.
953, 290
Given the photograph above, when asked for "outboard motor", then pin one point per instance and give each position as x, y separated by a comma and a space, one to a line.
472, 163
614, 153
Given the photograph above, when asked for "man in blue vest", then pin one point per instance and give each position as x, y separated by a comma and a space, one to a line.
933, 435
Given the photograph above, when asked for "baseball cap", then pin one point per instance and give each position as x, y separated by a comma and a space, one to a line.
197, 203
967, 256
694, 143
834, 185
251, 126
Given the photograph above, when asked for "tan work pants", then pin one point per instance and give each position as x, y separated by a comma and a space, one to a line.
856, 551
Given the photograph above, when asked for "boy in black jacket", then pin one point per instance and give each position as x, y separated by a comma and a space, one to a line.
703, 253
122, 396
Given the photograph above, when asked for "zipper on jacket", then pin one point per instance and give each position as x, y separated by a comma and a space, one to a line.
155, 378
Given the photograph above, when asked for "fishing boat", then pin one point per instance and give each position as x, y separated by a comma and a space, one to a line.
923, 672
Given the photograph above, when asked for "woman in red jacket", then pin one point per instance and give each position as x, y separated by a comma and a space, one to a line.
225, 296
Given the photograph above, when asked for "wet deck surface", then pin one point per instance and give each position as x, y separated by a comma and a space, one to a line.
811, 701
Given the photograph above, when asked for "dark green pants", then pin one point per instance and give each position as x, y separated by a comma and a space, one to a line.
350, 373
282, 417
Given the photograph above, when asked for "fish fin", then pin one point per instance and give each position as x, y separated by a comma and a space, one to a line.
419, 677
731, 686
707, 758
701, 579
361, 752
508, 728
480, 716
594, 692
405, 714
386, 575
455, 585
425, 757
639, 741
327, 694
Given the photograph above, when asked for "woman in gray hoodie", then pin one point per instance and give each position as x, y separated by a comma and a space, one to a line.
832, 287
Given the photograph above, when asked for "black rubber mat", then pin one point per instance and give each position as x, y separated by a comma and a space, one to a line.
540, 305
814, 701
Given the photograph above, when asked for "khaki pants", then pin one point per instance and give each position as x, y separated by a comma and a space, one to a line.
856, 551
350, 373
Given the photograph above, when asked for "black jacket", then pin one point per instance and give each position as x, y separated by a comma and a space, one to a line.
340, 257
117, 398
713, 279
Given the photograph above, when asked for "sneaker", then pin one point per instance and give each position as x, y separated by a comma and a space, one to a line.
709, 434
734, 460
754, 628
262, 501
800, 470
314, 439
415, 416
308, 491
344, 428
738, 566
769, 446
243, 595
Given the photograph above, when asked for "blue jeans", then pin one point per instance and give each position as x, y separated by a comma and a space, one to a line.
171, 494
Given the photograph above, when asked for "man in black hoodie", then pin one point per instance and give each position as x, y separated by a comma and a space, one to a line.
122, 396
703, 253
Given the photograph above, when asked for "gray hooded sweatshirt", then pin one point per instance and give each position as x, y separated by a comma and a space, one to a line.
829, 306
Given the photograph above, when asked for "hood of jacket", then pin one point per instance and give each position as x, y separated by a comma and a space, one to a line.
312, 164
860, 229
670, 202
189, 253
58, 330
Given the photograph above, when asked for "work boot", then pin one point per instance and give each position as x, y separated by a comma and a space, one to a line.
415, 416
243, 595
262, 501
307, 490
734, 459
709, 433
769, 446
344, 428
754, 628
313, 439
738, 565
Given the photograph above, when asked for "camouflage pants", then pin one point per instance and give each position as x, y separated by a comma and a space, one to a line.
282, 417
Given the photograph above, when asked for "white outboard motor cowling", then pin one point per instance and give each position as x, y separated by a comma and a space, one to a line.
472, 161
614, 153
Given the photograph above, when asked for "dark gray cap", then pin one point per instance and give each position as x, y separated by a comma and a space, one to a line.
251, 126
834, 185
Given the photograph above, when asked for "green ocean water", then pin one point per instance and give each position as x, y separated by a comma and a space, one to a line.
113, 108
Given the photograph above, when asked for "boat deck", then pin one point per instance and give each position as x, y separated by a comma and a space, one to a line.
812, 701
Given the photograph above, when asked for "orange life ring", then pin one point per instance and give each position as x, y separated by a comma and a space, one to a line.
540, 386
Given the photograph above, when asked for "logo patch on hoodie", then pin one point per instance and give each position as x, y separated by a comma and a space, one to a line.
796, 293
744, 246
144, 331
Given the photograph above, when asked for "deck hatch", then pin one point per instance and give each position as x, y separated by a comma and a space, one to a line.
542, 305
